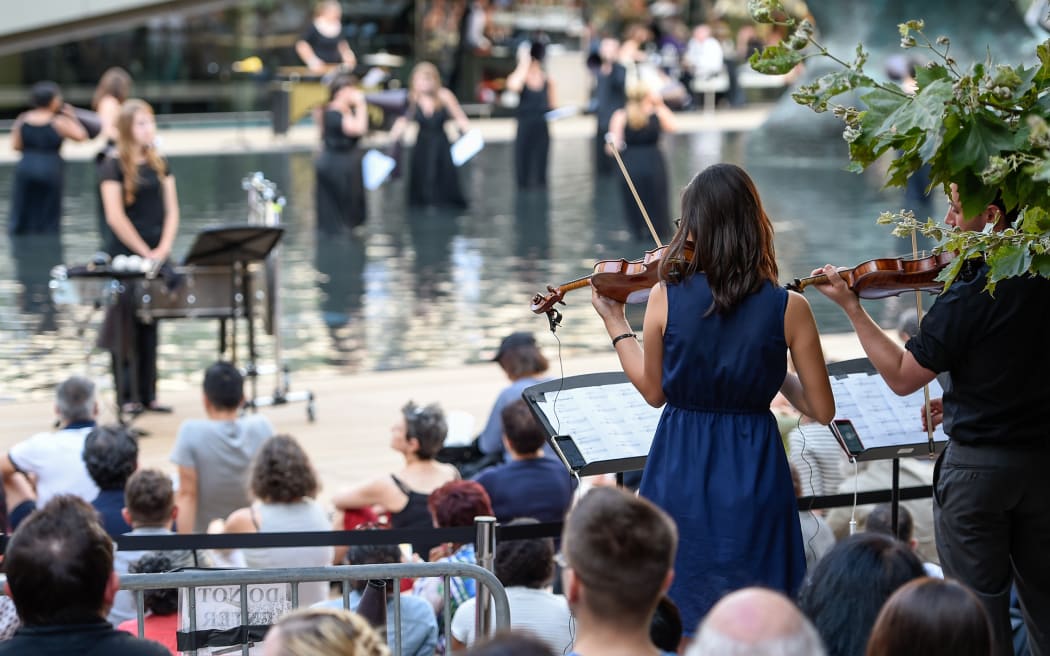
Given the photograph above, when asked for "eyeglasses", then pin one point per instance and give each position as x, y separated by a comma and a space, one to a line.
677, 223
561, 561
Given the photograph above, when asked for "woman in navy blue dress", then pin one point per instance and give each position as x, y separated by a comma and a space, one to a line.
36, 199
717, 333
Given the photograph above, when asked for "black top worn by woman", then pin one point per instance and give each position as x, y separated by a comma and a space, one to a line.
532, 142
645, 163
146, 212
415, 514
325, 47
340, 187
432, 177
36, 199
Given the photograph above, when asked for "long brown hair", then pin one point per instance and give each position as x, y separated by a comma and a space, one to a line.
114, 82
127, 149
931, 617
733, 237
637, 116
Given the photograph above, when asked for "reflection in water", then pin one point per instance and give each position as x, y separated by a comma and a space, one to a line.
430, 287
340, 264
34, 256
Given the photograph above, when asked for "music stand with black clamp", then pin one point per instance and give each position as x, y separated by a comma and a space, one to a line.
873, 423
237, 246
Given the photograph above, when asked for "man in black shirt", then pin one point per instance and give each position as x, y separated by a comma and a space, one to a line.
992, 481
59, 567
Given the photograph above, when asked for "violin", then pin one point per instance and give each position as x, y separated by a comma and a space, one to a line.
626, 281
885, 277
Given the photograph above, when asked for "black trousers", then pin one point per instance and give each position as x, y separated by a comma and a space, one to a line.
137, 379
993, 531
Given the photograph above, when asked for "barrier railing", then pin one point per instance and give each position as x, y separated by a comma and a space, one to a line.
242, 578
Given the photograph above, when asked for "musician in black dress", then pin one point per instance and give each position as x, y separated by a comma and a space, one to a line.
609, 95
635, 131
340, 187
323, 45
113, 89
432, 177
36, 198
142, 211
532, 142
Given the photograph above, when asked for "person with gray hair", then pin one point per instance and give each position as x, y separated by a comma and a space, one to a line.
756, 622
52, 460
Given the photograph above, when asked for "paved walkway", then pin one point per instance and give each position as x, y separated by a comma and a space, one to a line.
185, 140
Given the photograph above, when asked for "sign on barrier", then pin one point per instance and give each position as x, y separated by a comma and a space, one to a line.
220, 621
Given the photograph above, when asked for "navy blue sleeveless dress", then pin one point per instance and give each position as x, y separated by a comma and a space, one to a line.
717, 464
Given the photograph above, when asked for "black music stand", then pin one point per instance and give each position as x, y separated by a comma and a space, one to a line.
236, 246
877, 410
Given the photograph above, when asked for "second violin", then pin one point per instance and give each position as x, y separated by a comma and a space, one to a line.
626, 281
885, 277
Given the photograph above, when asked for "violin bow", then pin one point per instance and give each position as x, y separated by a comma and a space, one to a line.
918, 319
630, 185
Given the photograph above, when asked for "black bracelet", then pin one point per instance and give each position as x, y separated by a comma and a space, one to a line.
623, 336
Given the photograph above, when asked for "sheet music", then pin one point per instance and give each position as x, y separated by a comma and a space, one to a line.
880, 416
606, 422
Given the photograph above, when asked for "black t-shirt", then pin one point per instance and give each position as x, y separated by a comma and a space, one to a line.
94, 639
326, 48
993, 348
147, 211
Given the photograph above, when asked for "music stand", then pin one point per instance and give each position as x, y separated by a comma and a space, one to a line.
891, 422
236, 246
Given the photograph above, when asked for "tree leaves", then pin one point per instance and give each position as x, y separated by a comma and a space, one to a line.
775, 60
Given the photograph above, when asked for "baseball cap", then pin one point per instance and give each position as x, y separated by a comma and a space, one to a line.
512, 341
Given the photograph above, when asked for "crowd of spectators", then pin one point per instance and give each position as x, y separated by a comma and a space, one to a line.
599, 590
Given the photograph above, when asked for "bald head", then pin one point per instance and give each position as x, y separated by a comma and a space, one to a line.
756, 622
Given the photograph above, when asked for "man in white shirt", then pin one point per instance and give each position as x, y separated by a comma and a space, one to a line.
53, 459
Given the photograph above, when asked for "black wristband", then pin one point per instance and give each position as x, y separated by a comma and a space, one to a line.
623, 336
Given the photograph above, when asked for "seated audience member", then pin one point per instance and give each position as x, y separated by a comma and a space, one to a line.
880, 520
111, 454
53, 459
284, 485
419, 629
617, 554
451, 505
756, 621
214, 455
162, 618
529, 485
521, 360
666, 627
932, 617
59, 566
149, 507
844, 592
417, 435
511, 643
874, 475
323, 631
526, 569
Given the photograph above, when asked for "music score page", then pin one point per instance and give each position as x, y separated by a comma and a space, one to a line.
606, 422
882, 418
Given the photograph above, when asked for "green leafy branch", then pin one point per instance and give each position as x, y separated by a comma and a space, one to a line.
984, 128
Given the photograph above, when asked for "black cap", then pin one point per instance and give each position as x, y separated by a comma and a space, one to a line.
514, 340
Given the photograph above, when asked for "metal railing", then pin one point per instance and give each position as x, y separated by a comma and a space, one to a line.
496, 595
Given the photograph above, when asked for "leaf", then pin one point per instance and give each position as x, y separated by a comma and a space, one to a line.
979, 139
927, 75
973, 195
1043, 52
775, 60
1040, 265
1035, 221
880, 104
1007, 261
